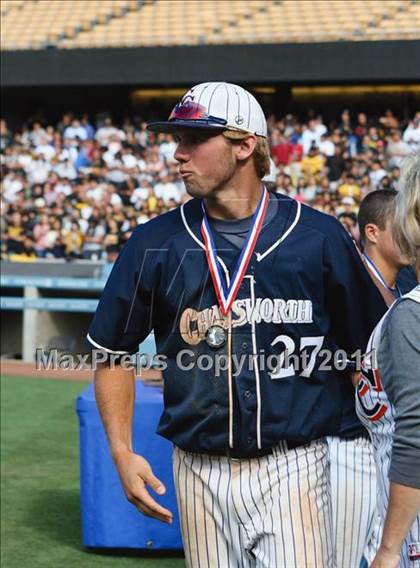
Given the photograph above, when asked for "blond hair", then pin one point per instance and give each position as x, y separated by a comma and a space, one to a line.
261, 152
406, 226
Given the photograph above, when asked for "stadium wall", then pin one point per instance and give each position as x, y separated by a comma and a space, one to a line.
363, 61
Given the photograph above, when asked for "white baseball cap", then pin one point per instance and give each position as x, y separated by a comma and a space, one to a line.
217, 106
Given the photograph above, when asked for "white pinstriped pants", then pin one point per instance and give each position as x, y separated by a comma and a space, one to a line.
268, 512
353, 497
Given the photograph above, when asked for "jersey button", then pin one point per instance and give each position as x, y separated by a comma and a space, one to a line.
244, 346
247, 393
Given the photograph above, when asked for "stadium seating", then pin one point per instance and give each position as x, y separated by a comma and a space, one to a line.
9, 5
33, 24
71, 24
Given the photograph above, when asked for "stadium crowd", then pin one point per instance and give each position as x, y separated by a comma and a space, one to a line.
77, 190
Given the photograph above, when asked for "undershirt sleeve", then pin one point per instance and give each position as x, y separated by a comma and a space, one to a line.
399, 365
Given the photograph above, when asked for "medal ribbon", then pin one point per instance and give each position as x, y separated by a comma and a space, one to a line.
226, 294
379, 276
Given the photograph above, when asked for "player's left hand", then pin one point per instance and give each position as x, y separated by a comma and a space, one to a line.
385, 559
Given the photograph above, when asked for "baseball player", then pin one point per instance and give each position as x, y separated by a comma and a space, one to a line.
383, 260
387, 398
250, 295
353, 473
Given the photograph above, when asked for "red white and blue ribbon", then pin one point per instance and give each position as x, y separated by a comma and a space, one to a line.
395, 291
225, 293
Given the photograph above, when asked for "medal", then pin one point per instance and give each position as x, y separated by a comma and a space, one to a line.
216, 336
225, 293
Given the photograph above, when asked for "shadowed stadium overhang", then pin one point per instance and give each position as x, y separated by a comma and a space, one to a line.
344, 62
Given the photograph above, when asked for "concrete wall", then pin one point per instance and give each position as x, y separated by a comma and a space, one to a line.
346, 61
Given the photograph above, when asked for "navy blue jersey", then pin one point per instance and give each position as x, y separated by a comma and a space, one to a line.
406, 280
305, 290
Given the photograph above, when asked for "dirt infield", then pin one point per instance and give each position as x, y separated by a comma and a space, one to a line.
15, 367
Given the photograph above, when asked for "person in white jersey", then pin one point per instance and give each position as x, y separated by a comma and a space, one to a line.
388, 395
353, 470
389, 271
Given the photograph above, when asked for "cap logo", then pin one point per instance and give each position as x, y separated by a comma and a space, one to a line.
188, 110
239, 120
188, 97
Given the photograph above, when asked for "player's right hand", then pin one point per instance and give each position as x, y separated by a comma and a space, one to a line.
135, 473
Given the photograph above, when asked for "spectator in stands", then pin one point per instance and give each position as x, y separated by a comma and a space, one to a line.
141, 193
287, 185
345, 125
107, 133
385, 183
112, 239
311, 135
347, 205
389, 121
128, 159
40, 231
88, 128
313, 163
350, 188
365, 186
281, 148
327, 146
15, 234
38, 169
374, 141
13, 183
37, 136
85, 156
310, 190
73, 241
376, 174
336, 165
349, 222
411, 134
64, 122
26, 251
53, 239
93, 242
166, 190
167, 147
361, 130
395, 176
66, 170
28, 221
142, 135
75, 131
154, 166
397, 149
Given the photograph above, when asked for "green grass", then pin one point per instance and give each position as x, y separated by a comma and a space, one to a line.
41, 525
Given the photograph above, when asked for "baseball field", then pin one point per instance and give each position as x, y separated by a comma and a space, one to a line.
40, 515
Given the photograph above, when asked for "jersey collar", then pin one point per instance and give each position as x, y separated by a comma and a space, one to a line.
271, 236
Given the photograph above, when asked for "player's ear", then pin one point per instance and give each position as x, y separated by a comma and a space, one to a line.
244, 148
371, 233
